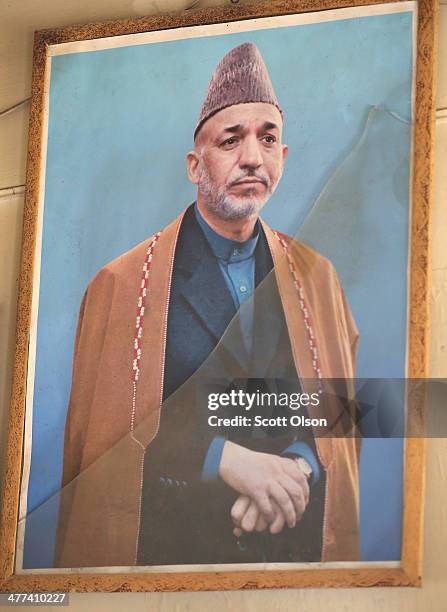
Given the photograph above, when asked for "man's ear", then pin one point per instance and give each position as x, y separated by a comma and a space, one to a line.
285, 152
192, 166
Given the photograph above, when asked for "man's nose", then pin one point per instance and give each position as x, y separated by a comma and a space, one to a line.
250, 153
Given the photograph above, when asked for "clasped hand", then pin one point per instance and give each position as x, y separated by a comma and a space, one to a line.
273, 490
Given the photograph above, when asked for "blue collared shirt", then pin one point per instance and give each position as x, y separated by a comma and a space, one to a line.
236, 260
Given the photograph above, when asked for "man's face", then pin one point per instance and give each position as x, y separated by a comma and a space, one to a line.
238, 159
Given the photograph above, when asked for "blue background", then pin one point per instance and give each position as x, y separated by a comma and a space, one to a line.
120, 124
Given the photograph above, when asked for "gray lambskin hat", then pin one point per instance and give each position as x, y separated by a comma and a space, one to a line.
240, 77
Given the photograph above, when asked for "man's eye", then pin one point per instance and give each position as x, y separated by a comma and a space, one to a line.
269, 139
229, 142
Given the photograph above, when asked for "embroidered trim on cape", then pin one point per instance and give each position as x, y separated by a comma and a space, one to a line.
144, 287
303, 306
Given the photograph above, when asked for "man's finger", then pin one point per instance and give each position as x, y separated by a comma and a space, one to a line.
296, 494
239, 509
264, 504
261, 523
250, 518
278, 524
293, 470
282, 498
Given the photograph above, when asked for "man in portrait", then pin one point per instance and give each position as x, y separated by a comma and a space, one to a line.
215, 298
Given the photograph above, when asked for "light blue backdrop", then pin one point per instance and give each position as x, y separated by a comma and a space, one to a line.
121, 122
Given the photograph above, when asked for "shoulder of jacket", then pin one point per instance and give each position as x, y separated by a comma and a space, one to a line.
307, 255
127, 263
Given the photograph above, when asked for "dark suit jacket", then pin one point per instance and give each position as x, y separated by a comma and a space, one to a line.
183, 519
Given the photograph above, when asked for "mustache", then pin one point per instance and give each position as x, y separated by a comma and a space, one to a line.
250, 174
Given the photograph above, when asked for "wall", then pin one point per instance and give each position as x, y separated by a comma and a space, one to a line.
17, 23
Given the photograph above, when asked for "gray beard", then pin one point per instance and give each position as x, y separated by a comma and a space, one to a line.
225, 206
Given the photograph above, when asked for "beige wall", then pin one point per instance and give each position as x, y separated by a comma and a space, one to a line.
18, 20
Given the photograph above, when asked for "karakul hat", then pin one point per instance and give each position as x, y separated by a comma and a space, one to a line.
240, 77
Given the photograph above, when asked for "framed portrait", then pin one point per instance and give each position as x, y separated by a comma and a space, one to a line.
224, 295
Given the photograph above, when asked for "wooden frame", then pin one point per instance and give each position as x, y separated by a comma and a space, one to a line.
409, 573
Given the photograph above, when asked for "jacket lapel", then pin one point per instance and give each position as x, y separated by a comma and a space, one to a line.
201, 282
213, 307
